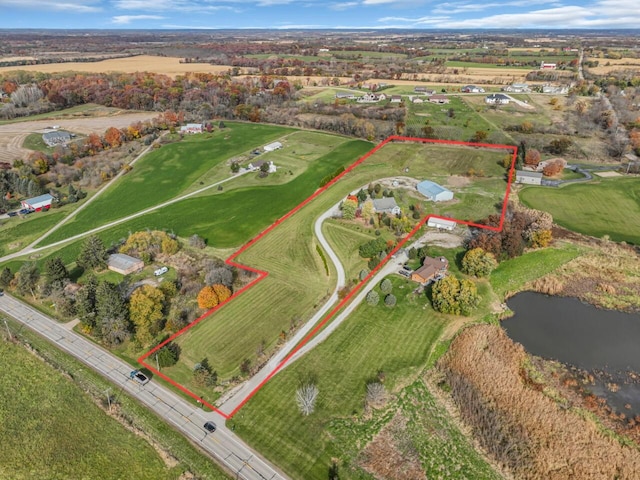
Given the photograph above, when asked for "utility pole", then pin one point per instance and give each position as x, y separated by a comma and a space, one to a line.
8, 331
107, 391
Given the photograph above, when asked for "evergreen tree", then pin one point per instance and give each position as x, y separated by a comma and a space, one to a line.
112, 313
93, 254
5, 277
86, 303
28, 277
56, 272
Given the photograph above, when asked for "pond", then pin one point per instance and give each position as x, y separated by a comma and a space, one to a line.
578, 334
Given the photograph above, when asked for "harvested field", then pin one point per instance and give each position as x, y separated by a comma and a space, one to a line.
608, 65
607, 174
170, 66
12, 135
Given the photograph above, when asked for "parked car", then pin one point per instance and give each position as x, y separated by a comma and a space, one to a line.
139, 377
210, 427
160, 271
404, 273
24, 211
13, 214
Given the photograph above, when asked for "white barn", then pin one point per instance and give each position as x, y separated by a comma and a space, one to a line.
191, 128
441, 223
530, 178
272, 147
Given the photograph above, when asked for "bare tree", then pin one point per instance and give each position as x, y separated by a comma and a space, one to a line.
376, 394
306, 397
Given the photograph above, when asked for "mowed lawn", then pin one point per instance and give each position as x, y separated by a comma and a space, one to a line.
607, 207
377, 339
167, 172
17, 233
50, 429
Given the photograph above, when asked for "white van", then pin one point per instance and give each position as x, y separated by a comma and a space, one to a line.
161, 271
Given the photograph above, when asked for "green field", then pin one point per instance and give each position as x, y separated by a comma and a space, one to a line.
377, 339
512, 275
345, 240
457, 64
605, 207
167, 172
17, 233
34, 142
50, 429
462, 126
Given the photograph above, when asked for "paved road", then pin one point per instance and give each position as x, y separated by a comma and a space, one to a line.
229, 402
223, 445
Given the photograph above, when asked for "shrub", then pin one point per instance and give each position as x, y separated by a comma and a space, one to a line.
363, 274
386, 286
373, 298
168, 355
390, 300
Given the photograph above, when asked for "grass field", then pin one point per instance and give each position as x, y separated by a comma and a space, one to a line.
377, 339
17, 233
88, 109
606, 207
34, 142
345, 241
462, 126
167, 172
73, 385
512, 275
50, 429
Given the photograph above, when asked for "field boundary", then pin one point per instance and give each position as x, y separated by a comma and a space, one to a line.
261, 275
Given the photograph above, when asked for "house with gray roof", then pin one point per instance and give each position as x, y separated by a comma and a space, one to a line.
386, 205
56, 138
124, 264
530, 178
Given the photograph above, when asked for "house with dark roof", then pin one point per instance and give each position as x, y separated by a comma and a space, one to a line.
56, 138
497, 99
431, 269
424, 90
440, 99
396, 98
472, 89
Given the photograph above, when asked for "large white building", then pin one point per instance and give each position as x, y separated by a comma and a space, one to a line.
272, 147
441, 223
434, 192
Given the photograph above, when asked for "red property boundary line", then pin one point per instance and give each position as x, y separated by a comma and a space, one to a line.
261, 275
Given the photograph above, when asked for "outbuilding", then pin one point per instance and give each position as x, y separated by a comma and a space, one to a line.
441, 223
37, 204
530, 178
272, 147
434, 192
124, 264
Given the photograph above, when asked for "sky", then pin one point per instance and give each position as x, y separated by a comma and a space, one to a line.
315, 14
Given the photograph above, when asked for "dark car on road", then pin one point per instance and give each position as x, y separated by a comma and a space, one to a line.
139, 377
210, 427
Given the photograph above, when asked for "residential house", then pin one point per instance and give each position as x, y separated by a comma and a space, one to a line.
255, 165
345, 96
434, 192
424, 90
431, 269
497, 99
517, 88
441, 223
472, 89
547, 66
372, 97
529, 178
57, 137
386, 205
272, 147
39, 203
396, 98
191, 128
440, 99
124, 264
417, 100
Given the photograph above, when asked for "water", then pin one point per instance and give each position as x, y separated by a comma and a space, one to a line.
578, 334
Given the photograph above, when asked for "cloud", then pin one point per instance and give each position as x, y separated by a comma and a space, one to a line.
465, 7
69, 6
127, 19
343, 5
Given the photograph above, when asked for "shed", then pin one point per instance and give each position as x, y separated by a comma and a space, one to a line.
441, 223
272, 146
43, 202
531, 178
434, 192
124, 264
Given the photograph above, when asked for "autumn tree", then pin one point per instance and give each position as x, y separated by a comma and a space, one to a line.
553, 168
453, 296
478, 263
368, 210
479, 136
532, 157
222, 292
349, 208
93, 254
207, 297
145, 311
